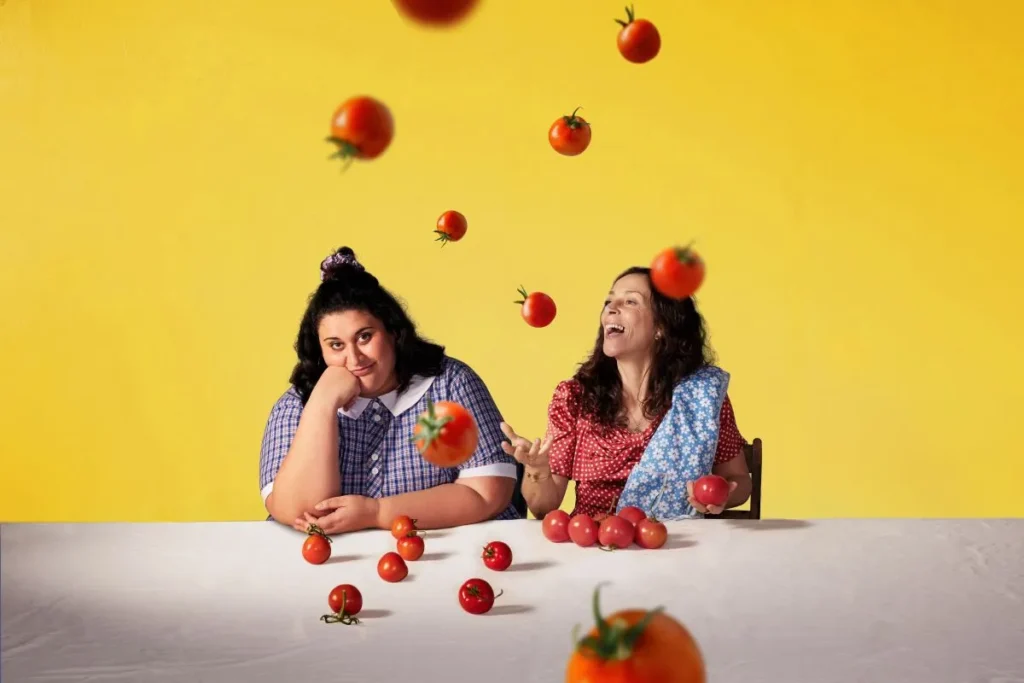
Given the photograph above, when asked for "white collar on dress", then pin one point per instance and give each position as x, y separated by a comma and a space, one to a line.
395, 402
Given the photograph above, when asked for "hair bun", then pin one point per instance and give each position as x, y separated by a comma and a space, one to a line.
338, 262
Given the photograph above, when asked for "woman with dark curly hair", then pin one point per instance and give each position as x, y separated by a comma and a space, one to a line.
337, 448
644, 417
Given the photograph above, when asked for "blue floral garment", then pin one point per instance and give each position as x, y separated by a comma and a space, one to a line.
681, 450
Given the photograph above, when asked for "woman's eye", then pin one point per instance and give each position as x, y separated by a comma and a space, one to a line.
365, 337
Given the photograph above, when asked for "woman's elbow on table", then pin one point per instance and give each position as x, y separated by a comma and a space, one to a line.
494, 492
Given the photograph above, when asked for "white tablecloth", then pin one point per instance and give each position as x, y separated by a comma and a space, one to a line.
900, 601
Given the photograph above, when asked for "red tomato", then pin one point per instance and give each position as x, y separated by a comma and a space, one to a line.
451, 227
651, 534
497, 556
362, 128
411, 547
435, 12
569, 135
677, 273
392, 568
615, 532
403, 526
556, 526
636, 646
446, 434
638, 40
583, 530
476, 596
711, 489
317, 547
632, 514
346, 602
538, 308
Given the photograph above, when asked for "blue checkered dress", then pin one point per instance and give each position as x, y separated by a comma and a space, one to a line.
376, 454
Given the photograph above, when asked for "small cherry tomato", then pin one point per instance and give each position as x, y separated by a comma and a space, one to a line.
497, 556
677, 272
615, 532
538, 309
638, 40
556, 526
650, 533
632, 514
583, 530
345, 602
392, 568
476, 596
402, 526
411, 547
451, 227
317, 547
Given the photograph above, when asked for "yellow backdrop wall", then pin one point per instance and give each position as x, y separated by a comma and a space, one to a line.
851, 171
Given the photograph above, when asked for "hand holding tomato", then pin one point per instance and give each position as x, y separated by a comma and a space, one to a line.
446, 434
709, 494
638, 646
347, 513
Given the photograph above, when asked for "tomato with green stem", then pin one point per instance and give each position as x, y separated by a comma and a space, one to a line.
345, 602
638, 39
477, 597
497, 556
538, 309
635, 646
446, 434
362, 128
451, 227
316, 549
570, 135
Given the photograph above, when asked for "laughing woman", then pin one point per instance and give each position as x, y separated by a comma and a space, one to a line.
337, 447
645, 416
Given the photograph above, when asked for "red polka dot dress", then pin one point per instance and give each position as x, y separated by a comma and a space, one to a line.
599, 459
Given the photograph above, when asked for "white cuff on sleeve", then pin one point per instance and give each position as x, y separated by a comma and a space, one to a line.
498, 469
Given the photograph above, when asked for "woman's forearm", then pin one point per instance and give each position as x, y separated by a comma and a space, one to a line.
439, 507
541, 491
310, 472
742, 491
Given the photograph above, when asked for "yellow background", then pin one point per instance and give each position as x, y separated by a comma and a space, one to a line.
850, 170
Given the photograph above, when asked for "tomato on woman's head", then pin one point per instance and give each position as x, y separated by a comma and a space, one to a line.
638, 323
351, 321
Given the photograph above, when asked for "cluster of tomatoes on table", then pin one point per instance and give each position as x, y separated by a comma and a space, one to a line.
476, 595
363, 127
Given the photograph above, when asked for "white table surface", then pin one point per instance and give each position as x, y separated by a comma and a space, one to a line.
901, 601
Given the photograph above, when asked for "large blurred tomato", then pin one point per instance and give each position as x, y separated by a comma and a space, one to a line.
362, 128
446, 434
436, 12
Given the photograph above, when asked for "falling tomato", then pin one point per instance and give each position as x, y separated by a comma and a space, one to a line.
638, 646
638, 40
677, 272
317, 547
538, 308
569, 135
451, 227
446, 434
436, 12
362, 128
